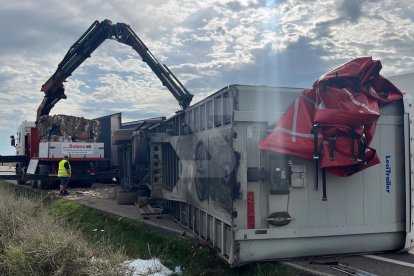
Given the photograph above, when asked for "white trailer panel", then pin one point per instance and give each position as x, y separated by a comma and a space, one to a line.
224, 190
72, 149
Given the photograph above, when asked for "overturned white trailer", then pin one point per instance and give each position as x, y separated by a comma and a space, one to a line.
205, 161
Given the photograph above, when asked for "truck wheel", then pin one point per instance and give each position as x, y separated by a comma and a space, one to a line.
43, 184
126, 197
33, 184
44, 170
20, 171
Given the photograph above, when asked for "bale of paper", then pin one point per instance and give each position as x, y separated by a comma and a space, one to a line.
67, 128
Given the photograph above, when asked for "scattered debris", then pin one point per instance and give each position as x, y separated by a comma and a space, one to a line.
151, 267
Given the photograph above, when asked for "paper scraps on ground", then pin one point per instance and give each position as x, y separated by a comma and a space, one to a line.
151, 267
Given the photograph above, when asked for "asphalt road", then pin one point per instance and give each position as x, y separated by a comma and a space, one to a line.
387, 264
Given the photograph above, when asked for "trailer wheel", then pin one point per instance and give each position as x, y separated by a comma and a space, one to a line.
126, 197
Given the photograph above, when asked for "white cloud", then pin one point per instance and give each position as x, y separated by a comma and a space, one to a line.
207, 44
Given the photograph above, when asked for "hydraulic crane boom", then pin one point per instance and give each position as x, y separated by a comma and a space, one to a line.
97, 33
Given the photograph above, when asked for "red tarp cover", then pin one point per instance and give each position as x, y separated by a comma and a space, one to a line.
344, 103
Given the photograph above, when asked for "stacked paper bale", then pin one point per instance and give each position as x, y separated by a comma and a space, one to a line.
67, 128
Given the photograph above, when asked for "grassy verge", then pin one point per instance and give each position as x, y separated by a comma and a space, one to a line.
32, 242
137, 240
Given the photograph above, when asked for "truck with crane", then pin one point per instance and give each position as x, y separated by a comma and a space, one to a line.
37, 158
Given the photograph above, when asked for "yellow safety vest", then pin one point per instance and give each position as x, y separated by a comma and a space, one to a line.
62, 171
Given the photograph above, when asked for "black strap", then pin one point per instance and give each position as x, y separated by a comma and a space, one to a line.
316, 153
315, 140
361, 150
316, 174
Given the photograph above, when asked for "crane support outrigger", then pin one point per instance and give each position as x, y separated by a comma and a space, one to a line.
94, 36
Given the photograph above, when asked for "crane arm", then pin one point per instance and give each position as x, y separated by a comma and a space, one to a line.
94, 36
124, 34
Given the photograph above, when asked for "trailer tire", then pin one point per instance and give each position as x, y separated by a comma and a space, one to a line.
126, 197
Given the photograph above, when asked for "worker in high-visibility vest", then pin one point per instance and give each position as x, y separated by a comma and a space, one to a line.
64, 173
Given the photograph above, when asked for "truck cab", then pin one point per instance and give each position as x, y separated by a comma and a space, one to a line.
26, 138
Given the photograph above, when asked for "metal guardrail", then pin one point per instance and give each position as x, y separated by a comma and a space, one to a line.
26, 177
13, 158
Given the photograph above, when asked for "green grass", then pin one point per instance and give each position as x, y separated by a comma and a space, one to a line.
138, 240
32, 242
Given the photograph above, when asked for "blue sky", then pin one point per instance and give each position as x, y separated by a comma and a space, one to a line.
207, 44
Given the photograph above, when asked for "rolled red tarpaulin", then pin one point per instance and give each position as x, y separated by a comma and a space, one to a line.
342, 108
